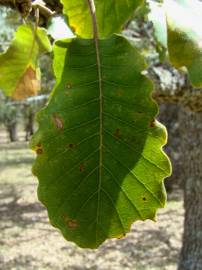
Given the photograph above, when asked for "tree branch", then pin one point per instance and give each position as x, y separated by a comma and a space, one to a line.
173, 87
43, 10
25, 6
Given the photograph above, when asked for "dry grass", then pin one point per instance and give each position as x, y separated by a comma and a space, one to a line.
27, 240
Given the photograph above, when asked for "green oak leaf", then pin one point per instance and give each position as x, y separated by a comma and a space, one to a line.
184, 22
19, 71
111, 15
99, 161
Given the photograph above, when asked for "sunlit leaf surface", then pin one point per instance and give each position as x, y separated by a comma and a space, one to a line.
111, 15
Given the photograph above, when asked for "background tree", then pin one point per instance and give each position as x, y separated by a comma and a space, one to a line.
9, 116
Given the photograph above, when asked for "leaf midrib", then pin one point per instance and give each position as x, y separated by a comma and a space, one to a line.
101, 125
98, 60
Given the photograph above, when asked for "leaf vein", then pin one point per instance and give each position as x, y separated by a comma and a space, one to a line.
123, 191
132, 148
76, 189
117, 213
72, 169
134, 176
68, 150
121, 120
74, 127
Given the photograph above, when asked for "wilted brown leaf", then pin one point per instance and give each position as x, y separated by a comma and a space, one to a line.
28, 85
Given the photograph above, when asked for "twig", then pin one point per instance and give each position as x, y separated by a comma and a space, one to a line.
25, 6
45, 11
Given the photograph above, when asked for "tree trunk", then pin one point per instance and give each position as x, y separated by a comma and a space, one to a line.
29, 126
12, 131
169, 117
191, 253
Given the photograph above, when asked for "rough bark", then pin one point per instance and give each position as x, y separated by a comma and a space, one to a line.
173, 87
169, 114
191, 135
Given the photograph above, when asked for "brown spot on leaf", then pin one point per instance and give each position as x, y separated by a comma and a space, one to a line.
81, 168
144, 199
69, 85
58, 121
28, 85
39, 151
71, 223
117, 133
71, 146
152, 123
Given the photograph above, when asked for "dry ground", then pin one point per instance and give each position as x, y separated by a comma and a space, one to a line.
27, 240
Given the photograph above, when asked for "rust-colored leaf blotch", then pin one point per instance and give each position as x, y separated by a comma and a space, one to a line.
58, 121
71, 223
117, 133
71, 146
81, 168
38, 149
152, 123
69, 85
